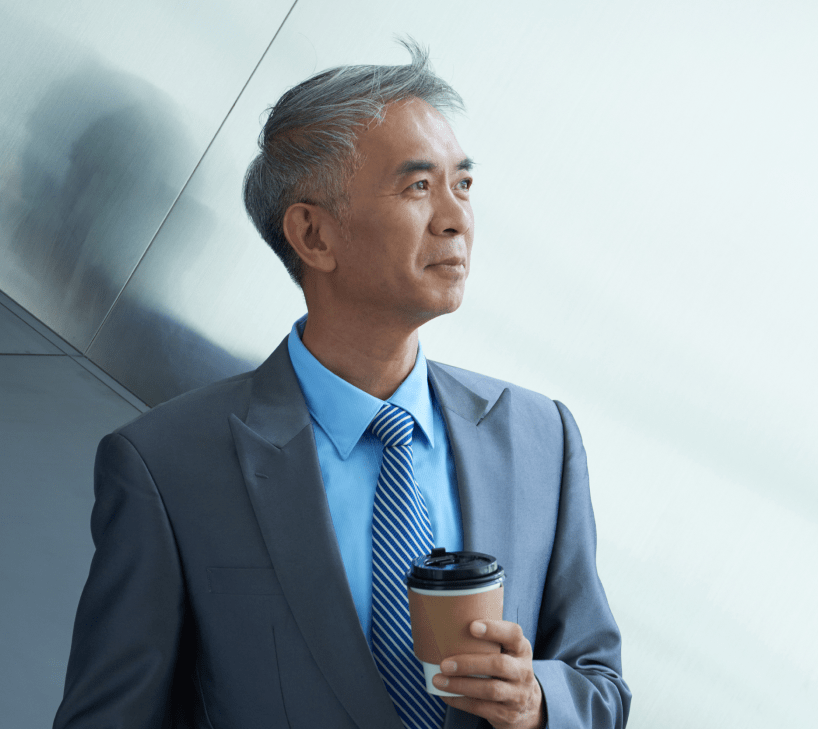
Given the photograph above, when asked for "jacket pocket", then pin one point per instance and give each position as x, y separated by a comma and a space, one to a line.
243, 581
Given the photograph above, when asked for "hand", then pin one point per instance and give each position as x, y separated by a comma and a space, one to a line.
512, 698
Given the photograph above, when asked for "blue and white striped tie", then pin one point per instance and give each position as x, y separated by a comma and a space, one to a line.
401, 531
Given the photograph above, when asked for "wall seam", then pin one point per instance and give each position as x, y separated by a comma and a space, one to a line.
187, 182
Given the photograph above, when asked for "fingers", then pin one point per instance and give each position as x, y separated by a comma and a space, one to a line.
511, 698
509, 635
503, 705
497, 665
486, 689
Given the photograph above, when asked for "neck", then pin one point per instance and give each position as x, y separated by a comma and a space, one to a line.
374, 355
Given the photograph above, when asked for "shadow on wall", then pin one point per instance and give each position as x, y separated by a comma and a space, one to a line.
92, 161
156, 357
103, 161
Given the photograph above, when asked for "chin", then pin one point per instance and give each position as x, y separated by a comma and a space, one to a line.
432, 302
439, 308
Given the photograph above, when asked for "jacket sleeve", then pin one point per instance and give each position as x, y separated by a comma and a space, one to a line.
577, 648
130, 615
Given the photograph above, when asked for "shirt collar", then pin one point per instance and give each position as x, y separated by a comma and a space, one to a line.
345, 412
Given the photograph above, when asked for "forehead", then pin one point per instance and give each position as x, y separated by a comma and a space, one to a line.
411, 130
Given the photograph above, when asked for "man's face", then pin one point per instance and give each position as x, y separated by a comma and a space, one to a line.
410, 224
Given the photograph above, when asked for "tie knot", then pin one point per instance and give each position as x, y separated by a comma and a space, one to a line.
393, 426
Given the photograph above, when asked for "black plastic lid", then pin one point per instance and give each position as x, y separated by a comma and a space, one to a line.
442, 570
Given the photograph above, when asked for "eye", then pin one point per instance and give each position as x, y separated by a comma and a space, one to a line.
420, 185
465, 183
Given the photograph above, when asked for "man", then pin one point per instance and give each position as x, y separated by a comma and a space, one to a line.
239, 576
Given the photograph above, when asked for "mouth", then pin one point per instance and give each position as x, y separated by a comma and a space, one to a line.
452, 269
453, 262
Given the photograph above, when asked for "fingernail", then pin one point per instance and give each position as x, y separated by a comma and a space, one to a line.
440, 681
448, 667
479, 628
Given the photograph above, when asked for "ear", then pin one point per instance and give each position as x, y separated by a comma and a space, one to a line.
314, 234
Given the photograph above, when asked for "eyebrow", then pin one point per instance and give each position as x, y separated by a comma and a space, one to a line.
421, 165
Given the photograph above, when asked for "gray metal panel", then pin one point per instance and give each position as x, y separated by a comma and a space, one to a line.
52, 415
105, 109
38, 326
17, 337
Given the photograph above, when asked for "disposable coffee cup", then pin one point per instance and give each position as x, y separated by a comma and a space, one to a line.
447, 591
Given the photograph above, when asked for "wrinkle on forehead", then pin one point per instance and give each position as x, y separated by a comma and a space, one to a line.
422, 132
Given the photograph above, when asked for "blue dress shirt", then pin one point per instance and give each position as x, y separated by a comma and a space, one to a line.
350, 460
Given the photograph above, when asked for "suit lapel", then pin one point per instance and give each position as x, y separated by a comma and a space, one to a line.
483, 468
482, 464
279, 463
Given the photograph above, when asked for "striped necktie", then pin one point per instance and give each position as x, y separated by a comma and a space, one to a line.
401, 531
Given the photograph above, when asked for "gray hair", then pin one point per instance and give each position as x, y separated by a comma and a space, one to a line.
308, 142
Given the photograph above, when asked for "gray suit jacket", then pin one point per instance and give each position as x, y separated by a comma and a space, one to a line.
217, 597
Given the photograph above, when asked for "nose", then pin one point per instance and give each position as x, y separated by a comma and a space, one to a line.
452, 214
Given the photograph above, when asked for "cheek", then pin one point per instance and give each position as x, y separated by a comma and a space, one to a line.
371, 229
389, 241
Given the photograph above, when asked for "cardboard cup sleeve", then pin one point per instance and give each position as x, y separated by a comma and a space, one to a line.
440, 623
